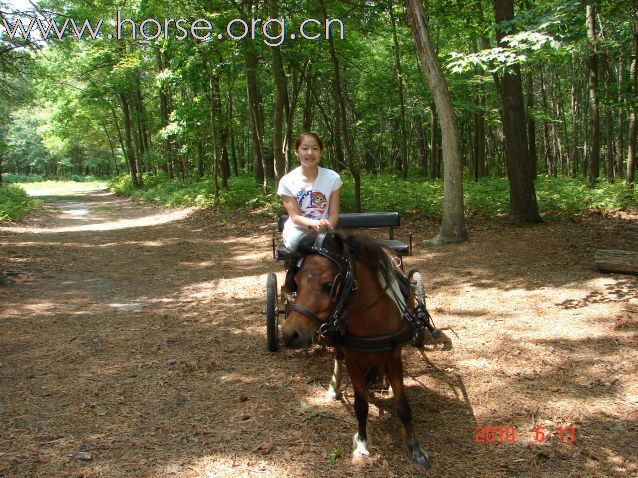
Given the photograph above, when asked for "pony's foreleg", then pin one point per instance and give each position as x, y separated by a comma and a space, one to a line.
395, 376
336, 382
360, 439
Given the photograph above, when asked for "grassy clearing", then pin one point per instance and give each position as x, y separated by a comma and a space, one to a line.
39, 178
17, 200
61, 188
15, 203
416, 196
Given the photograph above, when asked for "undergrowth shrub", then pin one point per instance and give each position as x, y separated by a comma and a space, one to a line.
488, 197
36, 178
15, 204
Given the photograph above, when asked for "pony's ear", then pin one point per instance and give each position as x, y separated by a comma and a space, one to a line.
339, 241
290, 284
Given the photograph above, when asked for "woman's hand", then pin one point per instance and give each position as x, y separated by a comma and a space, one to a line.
321, 225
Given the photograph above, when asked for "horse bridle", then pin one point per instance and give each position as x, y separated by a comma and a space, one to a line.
344, 283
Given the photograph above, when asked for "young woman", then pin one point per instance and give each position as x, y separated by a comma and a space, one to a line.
309, 192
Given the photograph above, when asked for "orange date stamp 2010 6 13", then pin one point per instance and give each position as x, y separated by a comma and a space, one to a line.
508, 433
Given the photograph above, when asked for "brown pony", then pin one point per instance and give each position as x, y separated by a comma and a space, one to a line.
343, 286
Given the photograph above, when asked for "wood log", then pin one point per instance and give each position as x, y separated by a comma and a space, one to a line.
625, 262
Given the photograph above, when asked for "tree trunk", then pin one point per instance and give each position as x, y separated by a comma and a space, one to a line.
201, 166
434, 140
341, 112
632, 136
548, 153
214, 135
594, 128
308, 105
523, 207
403, 143
574, 104
563, 136
165, 101
233, 151
111, 147
453, 220
289, 109
620, 148
280, 105
254, 114
120, 137
479, 136
555, 98
609, 147
130, 156
421, 145
140, 117
531, 123
222, 131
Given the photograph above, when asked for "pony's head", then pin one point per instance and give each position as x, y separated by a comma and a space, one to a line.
322, 275
317, 277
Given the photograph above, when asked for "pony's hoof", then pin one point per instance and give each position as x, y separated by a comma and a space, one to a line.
421, 458
359, 448
332, 395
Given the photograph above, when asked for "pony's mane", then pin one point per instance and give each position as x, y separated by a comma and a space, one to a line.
365, 249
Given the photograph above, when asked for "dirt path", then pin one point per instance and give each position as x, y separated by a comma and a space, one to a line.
134, 334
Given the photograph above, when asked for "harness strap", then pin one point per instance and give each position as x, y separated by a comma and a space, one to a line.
307, 312
383, 343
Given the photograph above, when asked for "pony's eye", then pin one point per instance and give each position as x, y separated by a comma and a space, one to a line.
327, 287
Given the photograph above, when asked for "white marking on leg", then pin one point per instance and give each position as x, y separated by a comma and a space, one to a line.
334, 389
360, 447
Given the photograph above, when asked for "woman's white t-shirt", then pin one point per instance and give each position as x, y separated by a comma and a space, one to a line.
313, 199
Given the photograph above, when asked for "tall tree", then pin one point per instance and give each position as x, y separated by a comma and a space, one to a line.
523, 206
399, 74
594, 120
342, 117
281, 105
632, 137
453, 219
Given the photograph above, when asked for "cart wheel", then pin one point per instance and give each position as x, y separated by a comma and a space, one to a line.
419, 291
272, 313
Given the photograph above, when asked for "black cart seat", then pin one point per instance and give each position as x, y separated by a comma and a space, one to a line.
355, 220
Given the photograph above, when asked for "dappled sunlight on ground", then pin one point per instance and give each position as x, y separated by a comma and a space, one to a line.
152, 220
145, 347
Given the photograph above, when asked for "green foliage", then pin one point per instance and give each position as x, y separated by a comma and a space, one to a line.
15, 204
334, 455
567, 196
416, 197
22, 178
158, 189
64, 109
388, 193
38, 178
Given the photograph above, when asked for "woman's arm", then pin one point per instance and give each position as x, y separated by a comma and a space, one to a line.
335, 208
290, 203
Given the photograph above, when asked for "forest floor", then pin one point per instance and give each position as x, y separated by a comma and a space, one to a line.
132, 345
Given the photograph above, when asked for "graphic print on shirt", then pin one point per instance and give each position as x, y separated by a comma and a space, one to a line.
312, 203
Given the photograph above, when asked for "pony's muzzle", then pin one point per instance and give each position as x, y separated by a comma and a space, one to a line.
294, 340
